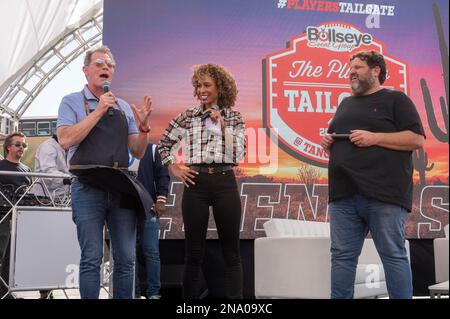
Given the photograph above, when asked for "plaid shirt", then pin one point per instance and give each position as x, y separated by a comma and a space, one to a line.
203, 146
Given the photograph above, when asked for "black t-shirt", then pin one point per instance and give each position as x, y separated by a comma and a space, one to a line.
376, 172
15, 181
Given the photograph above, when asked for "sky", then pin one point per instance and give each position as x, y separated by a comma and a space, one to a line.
70, 79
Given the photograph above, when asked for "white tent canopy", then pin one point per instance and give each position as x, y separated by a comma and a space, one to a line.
30, 27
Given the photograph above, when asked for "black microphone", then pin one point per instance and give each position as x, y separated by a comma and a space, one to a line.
106, 89
204, 116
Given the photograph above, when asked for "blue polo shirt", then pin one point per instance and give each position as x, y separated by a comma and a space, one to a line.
71, 111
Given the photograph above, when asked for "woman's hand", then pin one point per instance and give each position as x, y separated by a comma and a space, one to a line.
186, 175
216, 116
142, 115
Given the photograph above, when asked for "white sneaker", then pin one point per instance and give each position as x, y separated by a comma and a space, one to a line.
155, 297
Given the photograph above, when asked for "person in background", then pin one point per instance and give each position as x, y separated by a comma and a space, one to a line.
155, 177
214, 136
12, 186
14, 148
50, 158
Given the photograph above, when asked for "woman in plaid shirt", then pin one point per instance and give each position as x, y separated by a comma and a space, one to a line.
214, 137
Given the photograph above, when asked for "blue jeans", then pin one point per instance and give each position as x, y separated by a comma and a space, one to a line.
350, 220
148, 246
91, 208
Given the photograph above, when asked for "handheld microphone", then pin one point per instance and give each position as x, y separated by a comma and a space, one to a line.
204, 116
106, 88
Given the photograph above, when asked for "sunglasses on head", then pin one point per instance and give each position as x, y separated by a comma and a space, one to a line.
100, 63
19, 144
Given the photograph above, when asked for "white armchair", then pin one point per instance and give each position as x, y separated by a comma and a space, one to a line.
294, 261
441, 256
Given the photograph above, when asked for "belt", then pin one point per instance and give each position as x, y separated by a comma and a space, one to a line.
90, 166
211, 169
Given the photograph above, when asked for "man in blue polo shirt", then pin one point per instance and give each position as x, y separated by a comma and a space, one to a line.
97, 129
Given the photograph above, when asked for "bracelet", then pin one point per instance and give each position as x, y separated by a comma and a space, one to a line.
146, 131
161, 200
142, 130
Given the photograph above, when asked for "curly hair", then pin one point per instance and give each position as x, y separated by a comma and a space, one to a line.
226, 85
373, 59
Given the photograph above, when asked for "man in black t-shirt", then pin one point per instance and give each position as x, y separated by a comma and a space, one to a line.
370, 141
13, 150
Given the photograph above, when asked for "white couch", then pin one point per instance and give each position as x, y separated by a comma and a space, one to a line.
441, 256
294, 261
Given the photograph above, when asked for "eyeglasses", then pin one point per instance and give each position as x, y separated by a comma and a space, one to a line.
19, 144
100, 63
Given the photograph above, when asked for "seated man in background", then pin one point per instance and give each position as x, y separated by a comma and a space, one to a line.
13, 148
50, 158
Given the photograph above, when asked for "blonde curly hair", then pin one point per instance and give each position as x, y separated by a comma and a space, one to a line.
226, 85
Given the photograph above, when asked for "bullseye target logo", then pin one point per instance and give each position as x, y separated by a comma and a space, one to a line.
337, 37
305, 83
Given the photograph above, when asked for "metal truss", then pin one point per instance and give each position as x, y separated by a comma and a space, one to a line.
28, 84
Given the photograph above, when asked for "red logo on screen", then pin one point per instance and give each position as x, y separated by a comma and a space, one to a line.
305, 83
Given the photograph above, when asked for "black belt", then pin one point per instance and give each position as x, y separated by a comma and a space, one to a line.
211, 169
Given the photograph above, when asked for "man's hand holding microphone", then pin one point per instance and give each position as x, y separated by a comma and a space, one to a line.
106, 101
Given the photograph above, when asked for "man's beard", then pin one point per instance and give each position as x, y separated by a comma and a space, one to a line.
362, 85
18, 156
